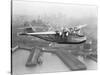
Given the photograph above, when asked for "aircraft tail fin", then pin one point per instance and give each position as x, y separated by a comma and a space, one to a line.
28, 29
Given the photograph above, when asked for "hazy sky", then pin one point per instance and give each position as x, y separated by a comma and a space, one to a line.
38, 8
59, 14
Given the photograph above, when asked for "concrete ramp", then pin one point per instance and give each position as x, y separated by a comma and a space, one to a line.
71, 61
33, 58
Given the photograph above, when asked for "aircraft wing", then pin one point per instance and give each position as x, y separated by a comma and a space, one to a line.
38, 33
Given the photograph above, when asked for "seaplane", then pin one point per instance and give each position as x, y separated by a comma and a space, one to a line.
65, 36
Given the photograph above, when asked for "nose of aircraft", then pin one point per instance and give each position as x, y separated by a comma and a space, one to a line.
82, 38
78, 39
